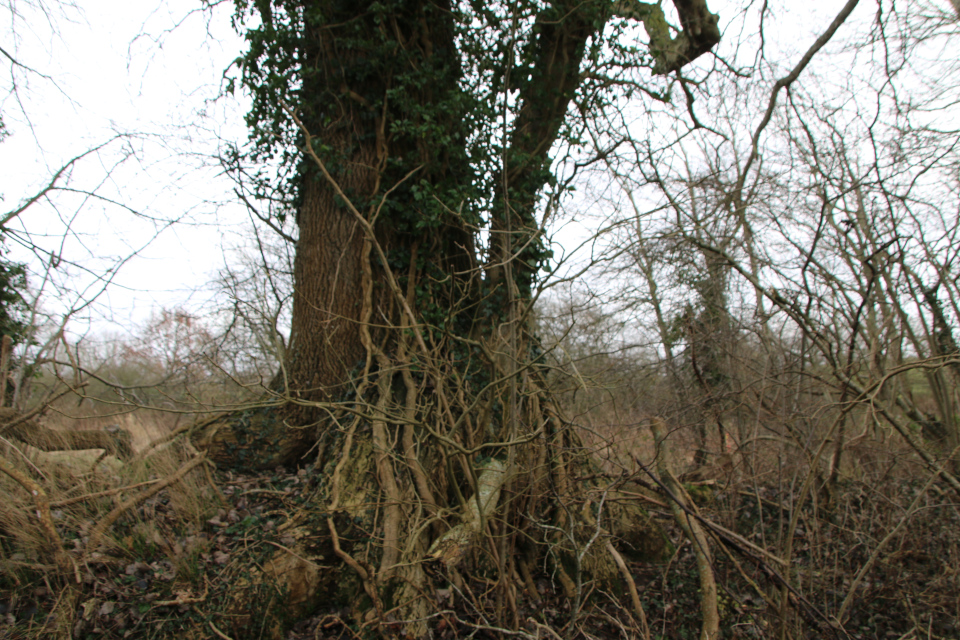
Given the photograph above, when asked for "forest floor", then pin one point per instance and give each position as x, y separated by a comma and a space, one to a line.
170, 565
169, 575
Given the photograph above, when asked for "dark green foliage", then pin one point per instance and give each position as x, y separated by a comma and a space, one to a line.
13, 308
398, 59
13, 280
462, 104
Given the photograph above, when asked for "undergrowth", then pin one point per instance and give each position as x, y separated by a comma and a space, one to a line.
170, 567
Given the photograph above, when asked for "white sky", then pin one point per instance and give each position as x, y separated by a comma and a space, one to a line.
152, 70
147, 70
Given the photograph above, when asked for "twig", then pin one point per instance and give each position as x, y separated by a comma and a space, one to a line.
357, 567
295, 554
100, 494
182, 599
96, 535
220, 634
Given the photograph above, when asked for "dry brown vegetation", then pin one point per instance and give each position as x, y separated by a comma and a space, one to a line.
157, 545
742, 422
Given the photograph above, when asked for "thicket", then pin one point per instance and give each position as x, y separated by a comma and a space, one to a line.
760, 361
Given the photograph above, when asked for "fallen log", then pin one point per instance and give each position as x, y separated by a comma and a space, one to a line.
26, 429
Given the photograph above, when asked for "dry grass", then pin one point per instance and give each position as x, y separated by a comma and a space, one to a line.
882, 536
83, 487
771, 493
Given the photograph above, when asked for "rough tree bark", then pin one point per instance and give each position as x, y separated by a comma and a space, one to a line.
409, 375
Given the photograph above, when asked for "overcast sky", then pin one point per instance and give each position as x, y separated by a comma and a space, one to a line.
151, 72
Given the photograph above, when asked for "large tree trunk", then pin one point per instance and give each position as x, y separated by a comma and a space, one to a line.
375, 157
439, 452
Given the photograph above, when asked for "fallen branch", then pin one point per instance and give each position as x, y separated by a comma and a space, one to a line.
694, 532
868, 565
748, 549
176, 433
96, 535
632, 587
